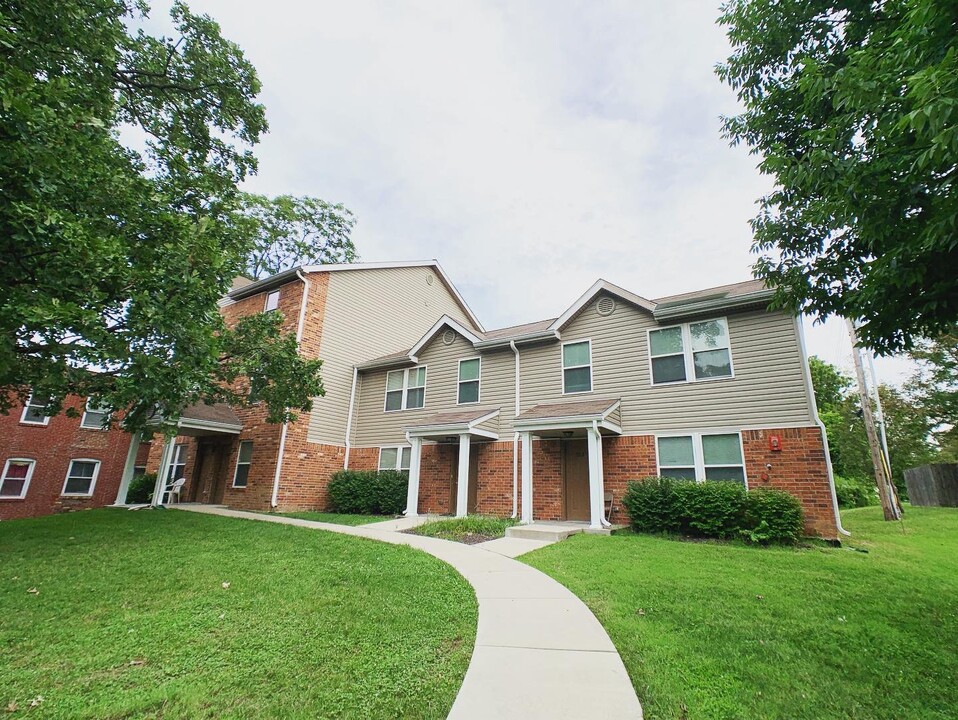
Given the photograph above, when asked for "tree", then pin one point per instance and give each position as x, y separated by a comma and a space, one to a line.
116, 253
934, 387
831, 384
853, 108
288, 231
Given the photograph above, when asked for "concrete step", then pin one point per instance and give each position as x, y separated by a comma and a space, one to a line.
552, 532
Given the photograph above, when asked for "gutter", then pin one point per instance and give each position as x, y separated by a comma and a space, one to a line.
274, 500
515, 440
349, 417
505, 342
668, 311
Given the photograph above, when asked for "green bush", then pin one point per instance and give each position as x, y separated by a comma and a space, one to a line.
855, 492
367, 492
712, 509
141, 487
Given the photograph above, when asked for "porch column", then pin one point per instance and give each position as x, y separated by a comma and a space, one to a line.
596, 491
526, 477
128, 469
161, 475
462, 488
412, 494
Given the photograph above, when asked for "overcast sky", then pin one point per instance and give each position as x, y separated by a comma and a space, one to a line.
530, 147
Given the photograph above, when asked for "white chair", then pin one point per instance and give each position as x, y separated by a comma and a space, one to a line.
173, 490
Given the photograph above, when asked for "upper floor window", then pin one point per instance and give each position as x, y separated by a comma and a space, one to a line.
16, 478
469, 373
244, 458
272, 301
95, 417
35, 411
702, 456
691, 351
577, 367
405, 389
395, 458
81, 477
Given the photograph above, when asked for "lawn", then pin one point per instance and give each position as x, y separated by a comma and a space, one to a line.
710, 630
338, 518
170, 614
471, 529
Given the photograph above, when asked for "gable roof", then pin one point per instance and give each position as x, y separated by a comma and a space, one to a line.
597, 287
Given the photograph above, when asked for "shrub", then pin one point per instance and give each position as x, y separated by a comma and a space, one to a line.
713, 509
855, 492
367, 492
141, 487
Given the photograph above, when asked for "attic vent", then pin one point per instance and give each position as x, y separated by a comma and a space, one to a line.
448, 337
428, 279
605, 306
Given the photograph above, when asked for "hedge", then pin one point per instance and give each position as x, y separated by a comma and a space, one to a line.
141, 487
855, 492
367, 492
713, 509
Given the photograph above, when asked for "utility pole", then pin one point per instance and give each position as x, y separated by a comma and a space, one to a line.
889, 502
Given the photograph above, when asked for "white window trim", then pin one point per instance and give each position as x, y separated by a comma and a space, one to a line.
23, 415
271, 293
687, 353
96, 474
406, 389
698, 454
86, 409
239, 454
459, 381
398, 449
563, 368
26, 482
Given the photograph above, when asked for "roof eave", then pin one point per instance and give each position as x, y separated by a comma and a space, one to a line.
518, 339
670, 311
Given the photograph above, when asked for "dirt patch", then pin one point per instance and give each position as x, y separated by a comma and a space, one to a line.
466, 539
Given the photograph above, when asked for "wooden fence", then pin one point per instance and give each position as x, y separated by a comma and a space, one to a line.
933, 485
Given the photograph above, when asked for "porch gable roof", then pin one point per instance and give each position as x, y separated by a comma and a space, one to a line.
456, 422
579, 413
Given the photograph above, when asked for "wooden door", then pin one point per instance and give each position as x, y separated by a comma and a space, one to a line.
217, 459
575, 475
472, 496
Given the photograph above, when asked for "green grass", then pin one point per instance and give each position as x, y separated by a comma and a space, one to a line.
710, 630
338, 518
465, 528
132, 620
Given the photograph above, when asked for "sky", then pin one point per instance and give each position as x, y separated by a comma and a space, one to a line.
531, 146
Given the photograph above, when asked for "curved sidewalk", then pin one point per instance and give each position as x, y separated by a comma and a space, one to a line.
539, 653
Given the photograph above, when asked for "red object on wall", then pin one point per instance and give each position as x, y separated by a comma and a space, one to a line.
775, 443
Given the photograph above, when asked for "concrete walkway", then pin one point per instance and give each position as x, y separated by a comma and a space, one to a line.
540, 652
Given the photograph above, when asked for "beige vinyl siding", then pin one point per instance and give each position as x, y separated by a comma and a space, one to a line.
373, 426
490, 425
768, 388
370, 313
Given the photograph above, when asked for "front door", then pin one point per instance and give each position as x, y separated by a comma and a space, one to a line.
208, 481
472, 497
575, 477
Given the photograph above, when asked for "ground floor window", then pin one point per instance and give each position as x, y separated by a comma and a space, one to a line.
395, 458
701, 456
81, 477
178, 463
243, 460
16, 478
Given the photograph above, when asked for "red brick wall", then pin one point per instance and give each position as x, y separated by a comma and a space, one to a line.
52, 446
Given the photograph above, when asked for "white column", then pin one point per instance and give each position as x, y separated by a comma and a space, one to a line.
526, 477
462, 489
412, 494
128, 469
161, 475
596, 493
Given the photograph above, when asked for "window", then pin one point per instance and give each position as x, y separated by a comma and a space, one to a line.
95, 417
16, 478
243, 460
177, 464
395, 458
272, 301
702, 456
81, 477
469, 372
697, 351
34, 412
577, 367
405, 389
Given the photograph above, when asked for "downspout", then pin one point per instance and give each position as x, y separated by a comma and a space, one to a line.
601, 471
349, 418
515, 440
810, 389
274, 500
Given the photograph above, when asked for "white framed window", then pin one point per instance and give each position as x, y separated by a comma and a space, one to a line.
690, 352
35, 411
470, 373
244, 459
576, 367
272, 301
15, 480
405, 389
177, 464
81, 477
395, 458
95, 417
701, 456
